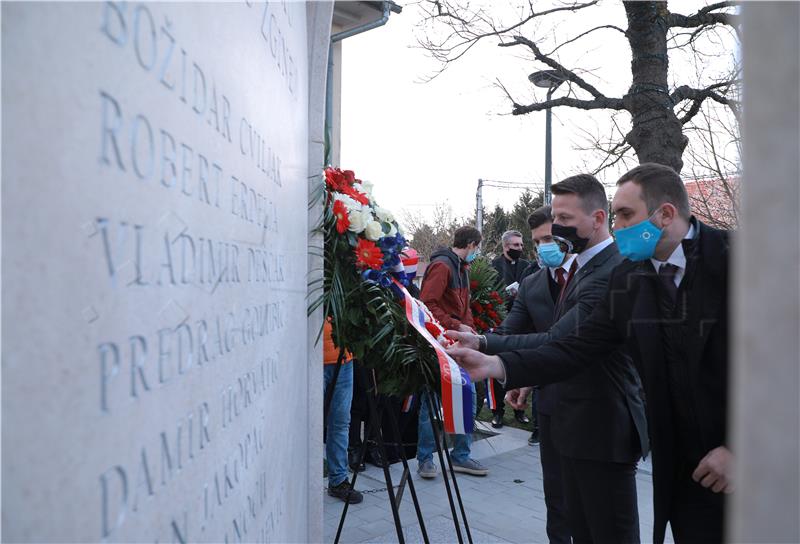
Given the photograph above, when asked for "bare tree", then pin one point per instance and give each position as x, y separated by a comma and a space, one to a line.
426, 236
657, 111
714, 160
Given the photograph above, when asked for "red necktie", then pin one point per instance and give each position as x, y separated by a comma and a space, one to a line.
564, 282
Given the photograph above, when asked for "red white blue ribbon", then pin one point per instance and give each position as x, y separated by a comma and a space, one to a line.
456, 395
490, 396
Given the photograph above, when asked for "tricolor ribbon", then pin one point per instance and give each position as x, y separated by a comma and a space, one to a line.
490, 396
456, 387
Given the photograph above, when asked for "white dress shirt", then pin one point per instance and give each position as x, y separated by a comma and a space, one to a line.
678, 257
565, 266
588, 254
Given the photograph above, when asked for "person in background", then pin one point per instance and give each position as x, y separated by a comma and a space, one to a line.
511, 270
338, 419
445, 291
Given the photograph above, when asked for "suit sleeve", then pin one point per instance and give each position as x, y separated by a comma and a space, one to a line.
588, 295
592, 342
518, 318
437, 278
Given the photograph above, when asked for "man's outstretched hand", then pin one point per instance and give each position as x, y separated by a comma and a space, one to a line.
464, 339
478, 365
715, 470
518, 398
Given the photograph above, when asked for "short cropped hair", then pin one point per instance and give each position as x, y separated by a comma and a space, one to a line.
509, 234
540, 216
660, 185
587, 188
464, 235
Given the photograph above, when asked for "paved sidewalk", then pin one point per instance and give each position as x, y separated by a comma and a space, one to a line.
505, 506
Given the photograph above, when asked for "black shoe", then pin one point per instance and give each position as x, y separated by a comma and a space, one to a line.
375, 457
352, 460
534, 438
344, 492
520, 416
497, 420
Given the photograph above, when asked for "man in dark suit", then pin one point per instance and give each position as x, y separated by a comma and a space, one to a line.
598, 424
533, 311
511, 269
668, 304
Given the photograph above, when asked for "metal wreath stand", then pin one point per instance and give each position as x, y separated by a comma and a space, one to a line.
376, 408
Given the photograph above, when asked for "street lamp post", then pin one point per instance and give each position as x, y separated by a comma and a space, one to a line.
550, 80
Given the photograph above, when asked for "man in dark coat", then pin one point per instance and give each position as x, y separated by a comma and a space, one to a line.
669, 305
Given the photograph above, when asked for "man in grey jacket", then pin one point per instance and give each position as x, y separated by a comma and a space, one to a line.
598, 425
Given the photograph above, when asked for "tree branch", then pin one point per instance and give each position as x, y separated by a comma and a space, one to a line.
596, 104
567, 75
685, 92
579, 36
705, 17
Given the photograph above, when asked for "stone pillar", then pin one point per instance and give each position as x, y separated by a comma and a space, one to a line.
318, 17
766, 307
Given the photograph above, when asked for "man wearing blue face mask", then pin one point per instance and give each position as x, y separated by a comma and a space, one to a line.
669, 305
445, 290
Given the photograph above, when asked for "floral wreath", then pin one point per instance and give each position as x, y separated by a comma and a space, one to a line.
363, 247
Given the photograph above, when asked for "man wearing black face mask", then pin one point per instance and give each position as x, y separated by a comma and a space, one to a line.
597, 426
511, 267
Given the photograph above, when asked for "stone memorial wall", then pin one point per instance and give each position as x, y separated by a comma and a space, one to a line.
154, 233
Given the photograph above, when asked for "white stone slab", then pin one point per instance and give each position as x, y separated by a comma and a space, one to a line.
154, 272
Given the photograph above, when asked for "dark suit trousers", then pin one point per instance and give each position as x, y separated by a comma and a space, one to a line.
696, 513
601, 501
557, 527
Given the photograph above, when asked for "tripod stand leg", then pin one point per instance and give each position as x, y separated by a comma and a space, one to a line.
406, 473
375, 417
455, 485
429, 399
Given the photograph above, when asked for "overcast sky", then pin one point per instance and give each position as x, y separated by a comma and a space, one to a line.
428, 143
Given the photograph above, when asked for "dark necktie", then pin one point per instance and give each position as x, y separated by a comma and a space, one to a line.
666, 273
564, 282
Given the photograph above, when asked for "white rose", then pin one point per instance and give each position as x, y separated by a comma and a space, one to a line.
358, 221
384, 214
348, 202
367, 187
373, 231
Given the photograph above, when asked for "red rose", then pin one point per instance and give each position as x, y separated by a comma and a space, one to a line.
493, 314
334, 179
478, 308
473, 284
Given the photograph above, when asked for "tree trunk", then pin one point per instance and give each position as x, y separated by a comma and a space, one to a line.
657, 134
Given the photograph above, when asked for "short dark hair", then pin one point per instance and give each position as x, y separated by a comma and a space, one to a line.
539, 217
660, 185
587, 188
464, 235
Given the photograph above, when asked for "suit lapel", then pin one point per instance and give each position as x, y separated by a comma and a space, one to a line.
597, 261
544, 307
705, 294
